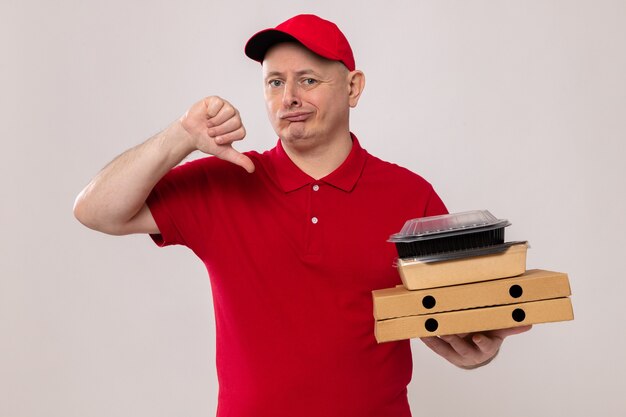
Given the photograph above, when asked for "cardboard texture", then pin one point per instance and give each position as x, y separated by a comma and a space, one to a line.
417, 275
474, 320
533, 285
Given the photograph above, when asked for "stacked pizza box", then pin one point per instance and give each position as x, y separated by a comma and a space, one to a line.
459, 276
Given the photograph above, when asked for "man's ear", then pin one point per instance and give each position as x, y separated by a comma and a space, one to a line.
356, 84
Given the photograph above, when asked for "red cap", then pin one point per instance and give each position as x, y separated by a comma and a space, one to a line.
316, 34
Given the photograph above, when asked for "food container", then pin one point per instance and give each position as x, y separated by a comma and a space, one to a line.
417, 275
449, 236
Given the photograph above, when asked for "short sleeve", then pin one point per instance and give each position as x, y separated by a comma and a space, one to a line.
178, 203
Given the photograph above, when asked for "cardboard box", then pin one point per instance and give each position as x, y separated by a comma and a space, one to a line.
533, 285
474, 320
418, 275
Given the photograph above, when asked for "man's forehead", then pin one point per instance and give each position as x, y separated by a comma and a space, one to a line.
293, 57
305, 71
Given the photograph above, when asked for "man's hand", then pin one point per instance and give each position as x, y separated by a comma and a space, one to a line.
473, 350
213, 124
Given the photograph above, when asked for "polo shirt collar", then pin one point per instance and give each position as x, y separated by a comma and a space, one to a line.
345, 177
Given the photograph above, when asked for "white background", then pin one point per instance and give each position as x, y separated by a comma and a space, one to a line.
518, 107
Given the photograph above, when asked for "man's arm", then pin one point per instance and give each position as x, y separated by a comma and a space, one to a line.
472, 350
114, 202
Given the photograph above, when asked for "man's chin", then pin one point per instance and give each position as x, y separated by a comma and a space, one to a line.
295, 132
299, 143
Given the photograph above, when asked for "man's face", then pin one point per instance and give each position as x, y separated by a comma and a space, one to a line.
307, 96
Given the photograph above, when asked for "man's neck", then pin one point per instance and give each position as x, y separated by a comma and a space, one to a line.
320, 160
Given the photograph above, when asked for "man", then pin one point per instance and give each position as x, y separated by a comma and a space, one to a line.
294, 242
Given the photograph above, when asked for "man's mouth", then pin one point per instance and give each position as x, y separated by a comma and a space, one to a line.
295, 116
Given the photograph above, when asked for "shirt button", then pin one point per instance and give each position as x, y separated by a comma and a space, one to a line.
316, 187
314, 220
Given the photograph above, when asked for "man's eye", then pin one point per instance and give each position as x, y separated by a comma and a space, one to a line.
275, 83
309, 81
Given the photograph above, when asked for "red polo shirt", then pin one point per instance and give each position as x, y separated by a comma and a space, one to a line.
292, 262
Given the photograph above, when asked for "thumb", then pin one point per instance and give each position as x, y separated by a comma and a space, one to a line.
230, 154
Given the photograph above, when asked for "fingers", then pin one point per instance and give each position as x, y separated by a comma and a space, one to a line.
459, 351
214, 117
213, 105
228, 132
464, 352
487, 345
218, 110
224, 126
223, 121
503, 333
439, 346
214, 124
460, 345
489, 342
471, 350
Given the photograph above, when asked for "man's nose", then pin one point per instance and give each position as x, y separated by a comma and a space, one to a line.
290, 95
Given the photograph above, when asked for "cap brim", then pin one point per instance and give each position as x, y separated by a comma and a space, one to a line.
257, 45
